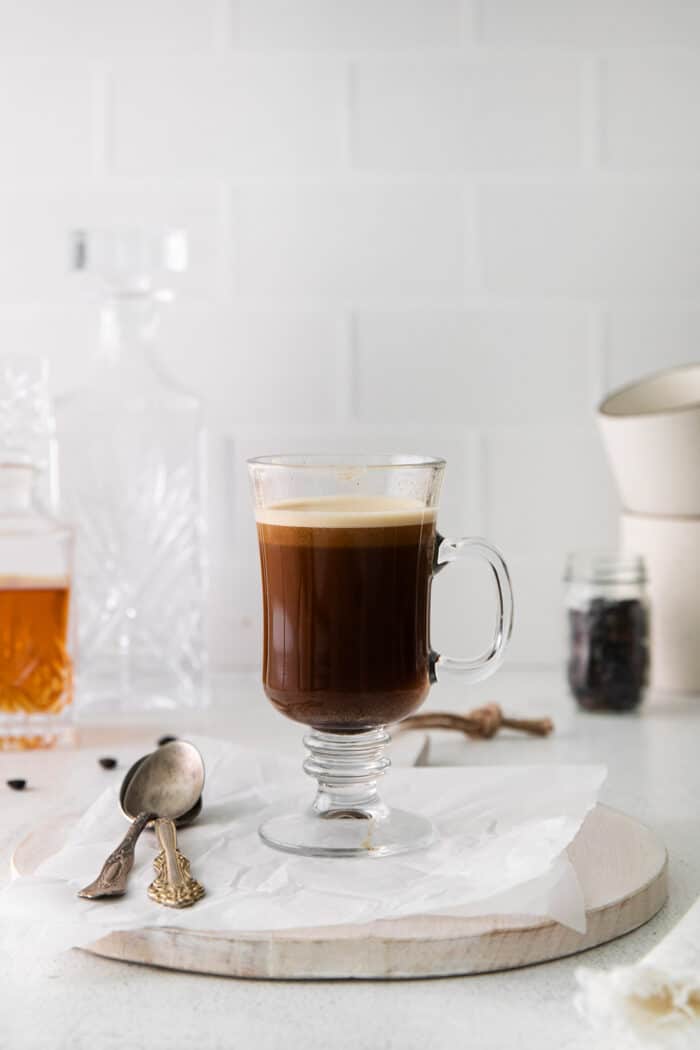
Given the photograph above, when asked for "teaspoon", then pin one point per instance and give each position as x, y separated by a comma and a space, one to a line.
167, 783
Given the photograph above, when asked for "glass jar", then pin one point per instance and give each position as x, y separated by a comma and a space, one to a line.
36, 552
608, 613
131, 457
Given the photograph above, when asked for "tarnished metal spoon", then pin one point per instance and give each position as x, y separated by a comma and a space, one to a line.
167, 783
180, 822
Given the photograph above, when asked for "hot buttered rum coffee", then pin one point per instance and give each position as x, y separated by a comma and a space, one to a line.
346, 597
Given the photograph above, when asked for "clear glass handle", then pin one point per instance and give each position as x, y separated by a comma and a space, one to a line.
473, 670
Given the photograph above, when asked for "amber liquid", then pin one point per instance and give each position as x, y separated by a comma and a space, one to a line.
36, 672
346, 614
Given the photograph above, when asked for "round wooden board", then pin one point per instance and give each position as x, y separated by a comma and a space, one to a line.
621, 866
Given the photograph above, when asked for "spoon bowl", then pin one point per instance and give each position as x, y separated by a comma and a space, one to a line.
189, 767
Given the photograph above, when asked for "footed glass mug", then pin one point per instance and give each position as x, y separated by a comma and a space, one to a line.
348, 548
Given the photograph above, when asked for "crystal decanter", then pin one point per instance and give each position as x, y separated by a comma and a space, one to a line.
36, 553
131, 468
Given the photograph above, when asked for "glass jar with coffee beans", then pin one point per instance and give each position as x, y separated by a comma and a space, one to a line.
608, 613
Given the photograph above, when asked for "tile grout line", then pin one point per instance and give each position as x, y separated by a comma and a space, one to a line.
224, 21
346, 371
599, 348
101, 122
472, 252
481, 487
471, 18
227, 270
591, 113
345, 119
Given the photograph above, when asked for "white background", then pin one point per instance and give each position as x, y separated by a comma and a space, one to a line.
417, 225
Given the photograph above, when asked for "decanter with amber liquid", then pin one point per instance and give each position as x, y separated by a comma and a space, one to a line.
36, 551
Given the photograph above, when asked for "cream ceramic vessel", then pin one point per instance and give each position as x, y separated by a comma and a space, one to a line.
651, 430
671, 551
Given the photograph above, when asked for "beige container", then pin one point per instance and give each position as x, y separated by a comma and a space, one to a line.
671, 551
651, 430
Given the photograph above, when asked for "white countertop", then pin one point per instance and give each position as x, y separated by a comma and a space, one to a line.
79, 1001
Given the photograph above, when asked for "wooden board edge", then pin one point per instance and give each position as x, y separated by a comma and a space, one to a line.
299, 955
379, 958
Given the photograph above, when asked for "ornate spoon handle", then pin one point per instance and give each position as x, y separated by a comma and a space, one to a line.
167, 837
111, 882
173, 885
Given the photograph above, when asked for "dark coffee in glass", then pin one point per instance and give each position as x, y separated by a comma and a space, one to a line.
346, 607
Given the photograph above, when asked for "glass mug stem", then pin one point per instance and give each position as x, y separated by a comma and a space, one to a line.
348, 817
347, 767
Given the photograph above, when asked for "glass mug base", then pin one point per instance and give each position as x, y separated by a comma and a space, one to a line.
353, 834
348, 817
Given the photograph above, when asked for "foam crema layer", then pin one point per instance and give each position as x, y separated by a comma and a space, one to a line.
346, 512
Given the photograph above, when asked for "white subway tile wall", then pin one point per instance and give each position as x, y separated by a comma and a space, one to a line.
443, 226
46, 105
492, 112
351, 243
650, 106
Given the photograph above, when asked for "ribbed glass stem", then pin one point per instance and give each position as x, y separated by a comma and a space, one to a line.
347, 767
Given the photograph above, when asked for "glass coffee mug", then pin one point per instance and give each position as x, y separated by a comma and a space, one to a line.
348, 549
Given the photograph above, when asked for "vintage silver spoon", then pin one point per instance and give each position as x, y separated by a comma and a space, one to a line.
180, 822
167, 783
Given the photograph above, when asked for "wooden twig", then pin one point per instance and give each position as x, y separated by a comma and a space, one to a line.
480, 724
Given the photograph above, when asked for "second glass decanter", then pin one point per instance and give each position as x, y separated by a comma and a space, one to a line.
131, 468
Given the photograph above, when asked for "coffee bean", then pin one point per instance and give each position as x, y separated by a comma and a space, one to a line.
166, 740
17, 785
108, 763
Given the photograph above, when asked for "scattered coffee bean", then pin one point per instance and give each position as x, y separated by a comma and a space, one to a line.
17, 785
166, 740
107, 763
